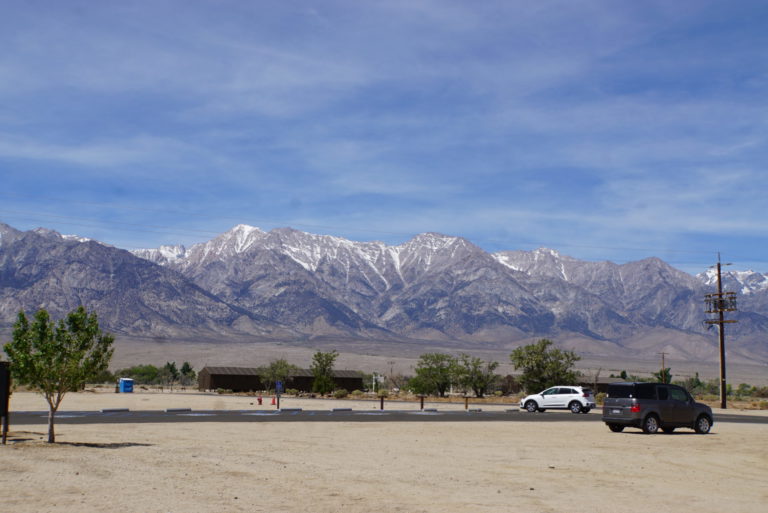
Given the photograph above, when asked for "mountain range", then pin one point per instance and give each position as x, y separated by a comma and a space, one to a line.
434, 289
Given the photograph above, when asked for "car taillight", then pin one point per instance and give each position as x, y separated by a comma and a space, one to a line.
635, 408
585, 394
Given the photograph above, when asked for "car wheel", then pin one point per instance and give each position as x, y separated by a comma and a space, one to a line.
651, 424
668, 429
703, 425
531, 406
616, 428
586, 410
575, 407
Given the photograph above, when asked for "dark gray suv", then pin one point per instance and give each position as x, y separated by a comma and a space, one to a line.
654, 406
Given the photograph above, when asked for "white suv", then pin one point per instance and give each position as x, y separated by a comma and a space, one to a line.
576, 399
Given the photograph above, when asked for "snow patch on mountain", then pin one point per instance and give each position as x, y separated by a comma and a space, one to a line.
742, 282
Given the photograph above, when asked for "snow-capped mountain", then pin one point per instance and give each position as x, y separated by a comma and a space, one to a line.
290, 284
742, 282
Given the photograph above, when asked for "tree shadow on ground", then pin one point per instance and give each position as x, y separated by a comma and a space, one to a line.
105, 445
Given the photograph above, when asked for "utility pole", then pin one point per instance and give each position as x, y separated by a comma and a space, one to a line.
719, 303
663, 374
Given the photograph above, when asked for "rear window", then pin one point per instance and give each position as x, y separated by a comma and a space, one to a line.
621, 391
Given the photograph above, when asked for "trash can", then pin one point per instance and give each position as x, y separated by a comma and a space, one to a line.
126, 385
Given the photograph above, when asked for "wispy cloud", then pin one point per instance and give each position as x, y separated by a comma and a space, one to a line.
606, 124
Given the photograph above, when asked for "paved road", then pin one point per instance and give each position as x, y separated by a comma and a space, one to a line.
339, 415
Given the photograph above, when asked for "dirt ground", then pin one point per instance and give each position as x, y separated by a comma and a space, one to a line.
362, 467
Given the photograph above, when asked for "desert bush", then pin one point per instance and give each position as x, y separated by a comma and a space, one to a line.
600, 398
340, 394
223, 391
357, 393
762, 405
292, 391
382, 393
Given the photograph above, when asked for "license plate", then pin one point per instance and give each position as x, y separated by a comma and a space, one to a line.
615, 411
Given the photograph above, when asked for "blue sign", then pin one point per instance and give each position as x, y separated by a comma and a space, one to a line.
279, 387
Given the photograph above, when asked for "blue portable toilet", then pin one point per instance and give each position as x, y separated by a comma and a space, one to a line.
126, 385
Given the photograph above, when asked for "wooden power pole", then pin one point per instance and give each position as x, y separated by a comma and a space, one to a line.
719, 303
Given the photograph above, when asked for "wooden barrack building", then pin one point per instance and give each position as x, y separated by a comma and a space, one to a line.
248, 379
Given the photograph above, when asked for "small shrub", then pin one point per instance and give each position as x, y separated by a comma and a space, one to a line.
292, 391
600, 398
357, 393
340, 394
498, 393
762, 405
223, 391
382, 393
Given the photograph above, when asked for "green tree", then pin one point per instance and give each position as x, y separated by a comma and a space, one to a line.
277, 370
475, 374
56, 358
188, 374
169, 374
322, 370
435, 373
141, 374
663, 376
544, 366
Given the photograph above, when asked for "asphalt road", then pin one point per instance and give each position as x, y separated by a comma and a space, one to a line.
118, 416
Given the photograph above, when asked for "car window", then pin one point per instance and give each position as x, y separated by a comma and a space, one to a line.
621, 391
663, 393
677, 394
587, 391
567, 391
646, 391
549, 391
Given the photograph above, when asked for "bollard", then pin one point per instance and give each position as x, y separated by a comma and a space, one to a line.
421, 400
466, 402
382, 402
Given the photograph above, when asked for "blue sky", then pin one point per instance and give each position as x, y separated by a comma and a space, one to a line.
608, 130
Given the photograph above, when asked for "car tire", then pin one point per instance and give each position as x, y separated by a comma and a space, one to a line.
651, 424
586, 410
668, 429
575, 407
703, 425
616, 428
531, 406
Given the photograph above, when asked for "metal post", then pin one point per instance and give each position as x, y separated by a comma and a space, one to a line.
466, 402
5, 392
721, 330
382, 402
421, 400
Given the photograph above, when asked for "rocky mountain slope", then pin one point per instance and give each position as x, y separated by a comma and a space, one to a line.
290, 284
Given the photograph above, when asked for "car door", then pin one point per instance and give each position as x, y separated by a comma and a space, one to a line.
564, 396
681, 407
549, 397
664, 405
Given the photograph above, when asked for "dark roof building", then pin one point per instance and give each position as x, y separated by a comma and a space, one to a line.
247, 379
